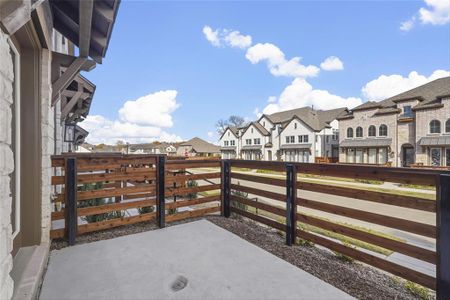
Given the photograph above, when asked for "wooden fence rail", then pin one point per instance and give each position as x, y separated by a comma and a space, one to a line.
100, 191
113, 190
267, 202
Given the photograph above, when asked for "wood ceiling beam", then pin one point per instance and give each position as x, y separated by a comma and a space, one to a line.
64, 80
68, 107
85, 16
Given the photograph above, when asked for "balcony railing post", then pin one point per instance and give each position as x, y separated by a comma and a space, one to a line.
225, 190
291, 207
443, 237
161, 198
70, 209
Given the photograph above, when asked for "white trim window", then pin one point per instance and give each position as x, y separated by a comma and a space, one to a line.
15, 142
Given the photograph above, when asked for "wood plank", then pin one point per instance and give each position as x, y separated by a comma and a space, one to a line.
267, 194
101, 209
191, 165
136, 174
260, 219
392, 222
115, 223
192, 214
259, 164
396, 246
373, 196
259, 179
269, 208
57, 233
189, 190
139, 196
182, 178
372, 260
104, 193
170, 205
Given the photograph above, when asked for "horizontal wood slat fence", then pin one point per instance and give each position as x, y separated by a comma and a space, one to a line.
284, 196
114, 190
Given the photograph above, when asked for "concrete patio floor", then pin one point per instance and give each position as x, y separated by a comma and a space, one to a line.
211, 262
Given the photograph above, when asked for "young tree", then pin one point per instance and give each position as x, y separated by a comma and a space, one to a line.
221, 125
236, 121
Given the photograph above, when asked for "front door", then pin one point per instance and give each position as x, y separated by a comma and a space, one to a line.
408, 156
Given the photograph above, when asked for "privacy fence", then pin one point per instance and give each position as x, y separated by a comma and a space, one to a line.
290, 197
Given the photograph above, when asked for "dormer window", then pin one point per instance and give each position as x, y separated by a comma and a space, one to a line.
264, 123
435, 126
295, 125
407, 111
251, 130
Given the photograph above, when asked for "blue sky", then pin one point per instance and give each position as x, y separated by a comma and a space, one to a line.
159, 53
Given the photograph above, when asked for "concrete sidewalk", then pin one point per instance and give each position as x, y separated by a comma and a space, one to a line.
209, 261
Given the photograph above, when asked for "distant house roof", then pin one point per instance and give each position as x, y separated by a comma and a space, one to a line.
429, 95
316, 119
233, 130
201, 146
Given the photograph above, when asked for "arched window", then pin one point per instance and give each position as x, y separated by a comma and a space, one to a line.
349, 132
359, 131
383, 130
372, 130
447, 126
435, 126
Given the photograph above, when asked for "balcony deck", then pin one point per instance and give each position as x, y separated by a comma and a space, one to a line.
216, 263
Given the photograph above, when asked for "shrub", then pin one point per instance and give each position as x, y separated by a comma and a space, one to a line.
239, 205
191, 184
97, 202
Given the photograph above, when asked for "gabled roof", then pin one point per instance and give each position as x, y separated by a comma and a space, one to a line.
201, 146
315, 119
428, 94
258, 127
234, 130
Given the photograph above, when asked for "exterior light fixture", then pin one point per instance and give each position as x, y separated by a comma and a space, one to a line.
69, 133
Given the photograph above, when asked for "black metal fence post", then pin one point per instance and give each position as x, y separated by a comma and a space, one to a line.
71, 199
161, 185
443, 237
291, 206
225, 191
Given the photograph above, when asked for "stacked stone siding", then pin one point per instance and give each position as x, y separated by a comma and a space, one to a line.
423, 119
6, 166
366, 118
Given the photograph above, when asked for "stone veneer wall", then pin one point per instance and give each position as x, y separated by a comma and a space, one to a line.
6, 167
423, 119
365, 118
48, 142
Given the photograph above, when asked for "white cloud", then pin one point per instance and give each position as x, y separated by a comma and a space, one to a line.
210, 134
211, 36
232, 38
300, 93
153, 109
386, 86
332, 63
277, 63
437, 12
237, 40
140, 120
407, 25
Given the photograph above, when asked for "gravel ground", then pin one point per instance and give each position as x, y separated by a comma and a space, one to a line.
356, 279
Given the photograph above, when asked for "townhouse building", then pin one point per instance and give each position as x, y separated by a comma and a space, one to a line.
300, 135
411, 128
43, 97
